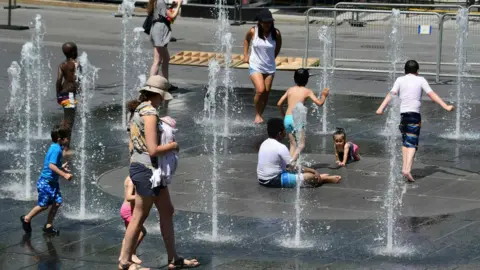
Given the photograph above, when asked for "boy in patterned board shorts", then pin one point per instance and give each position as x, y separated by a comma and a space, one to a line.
409, 90
47, 185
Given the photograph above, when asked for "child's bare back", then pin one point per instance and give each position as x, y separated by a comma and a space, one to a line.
297, 94
69, 78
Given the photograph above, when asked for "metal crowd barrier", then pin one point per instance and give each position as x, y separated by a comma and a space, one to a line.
357, 39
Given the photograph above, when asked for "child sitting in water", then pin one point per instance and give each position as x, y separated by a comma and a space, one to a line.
345, 152
273, 168
293, 96
126, 212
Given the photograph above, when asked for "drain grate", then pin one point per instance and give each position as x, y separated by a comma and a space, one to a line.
373, 198
372, 173
369, 46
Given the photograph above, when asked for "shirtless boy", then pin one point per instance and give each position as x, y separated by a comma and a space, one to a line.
295, 95
67, 83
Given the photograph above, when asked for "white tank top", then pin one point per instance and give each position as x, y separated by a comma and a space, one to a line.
262, 54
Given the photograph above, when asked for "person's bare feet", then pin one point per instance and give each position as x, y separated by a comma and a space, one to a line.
333, 179
131, 266
183, 263
258, 119
136, 260
408, 176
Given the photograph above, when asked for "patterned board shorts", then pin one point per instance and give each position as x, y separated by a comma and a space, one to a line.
410, 126
283, 180
48, 192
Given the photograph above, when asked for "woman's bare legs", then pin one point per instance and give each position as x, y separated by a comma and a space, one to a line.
165, 60
165, 211
156, 61
259, 84
140, 214
161, 56
268, 86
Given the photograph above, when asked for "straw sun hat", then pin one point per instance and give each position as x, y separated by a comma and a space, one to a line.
158, 84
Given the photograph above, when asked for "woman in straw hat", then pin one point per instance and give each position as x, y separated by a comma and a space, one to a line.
145, 134
264, 42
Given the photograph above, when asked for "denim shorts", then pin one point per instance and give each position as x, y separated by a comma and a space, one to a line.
251, 71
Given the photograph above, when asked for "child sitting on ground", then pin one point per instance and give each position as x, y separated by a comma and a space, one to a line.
126, 212
47, 185
345, 152
274, 158
295, 95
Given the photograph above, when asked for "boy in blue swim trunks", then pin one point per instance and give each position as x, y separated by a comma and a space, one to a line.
409, 90
274, 158
47, 185
295, 95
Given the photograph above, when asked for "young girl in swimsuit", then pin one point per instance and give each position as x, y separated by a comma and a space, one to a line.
345, 152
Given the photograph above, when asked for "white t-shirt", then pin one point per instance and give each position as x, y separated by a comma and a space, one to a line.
273, 158
409, 88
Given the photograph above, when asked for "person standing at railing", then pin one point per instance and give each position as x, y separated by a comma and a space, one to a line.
264, 42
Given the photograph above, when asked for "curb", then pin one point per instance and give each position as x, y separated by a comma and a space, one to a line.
54, 3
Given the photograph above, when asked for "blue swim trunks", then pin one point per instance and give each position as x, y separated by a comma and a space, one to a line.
410, 125
288, 123
48, 192
283, 180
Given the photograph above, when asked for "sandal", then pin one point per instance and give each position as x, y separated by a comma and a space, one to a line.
180, 263
127, 266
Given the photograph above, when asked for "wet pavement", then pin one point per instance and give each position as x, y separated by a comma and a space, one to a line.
342, 224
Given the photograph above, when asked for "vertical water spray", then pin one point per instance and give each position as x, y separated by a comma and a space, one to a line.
325, 37
15, 102
299, 114
224, 41
139, 62
210, 107
227, 42
393, 198
462, 35
28, 64
126, 9
87, 77
41, 75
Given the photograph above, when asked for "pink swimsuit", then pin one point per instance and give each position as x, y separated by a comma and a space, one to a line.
126, 213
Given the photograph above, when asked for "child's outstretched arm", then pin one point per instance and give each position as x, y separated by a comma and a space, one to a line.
280, 103
56, 170
337, 160
322, 99
59, 79
384, 104
433, 96
346, 150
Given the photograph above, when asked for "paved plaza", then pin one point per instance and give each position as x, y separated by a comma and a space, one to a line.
343, 226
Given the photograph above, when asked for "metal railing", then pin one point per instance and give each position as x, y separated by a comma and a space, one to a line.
356, 42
